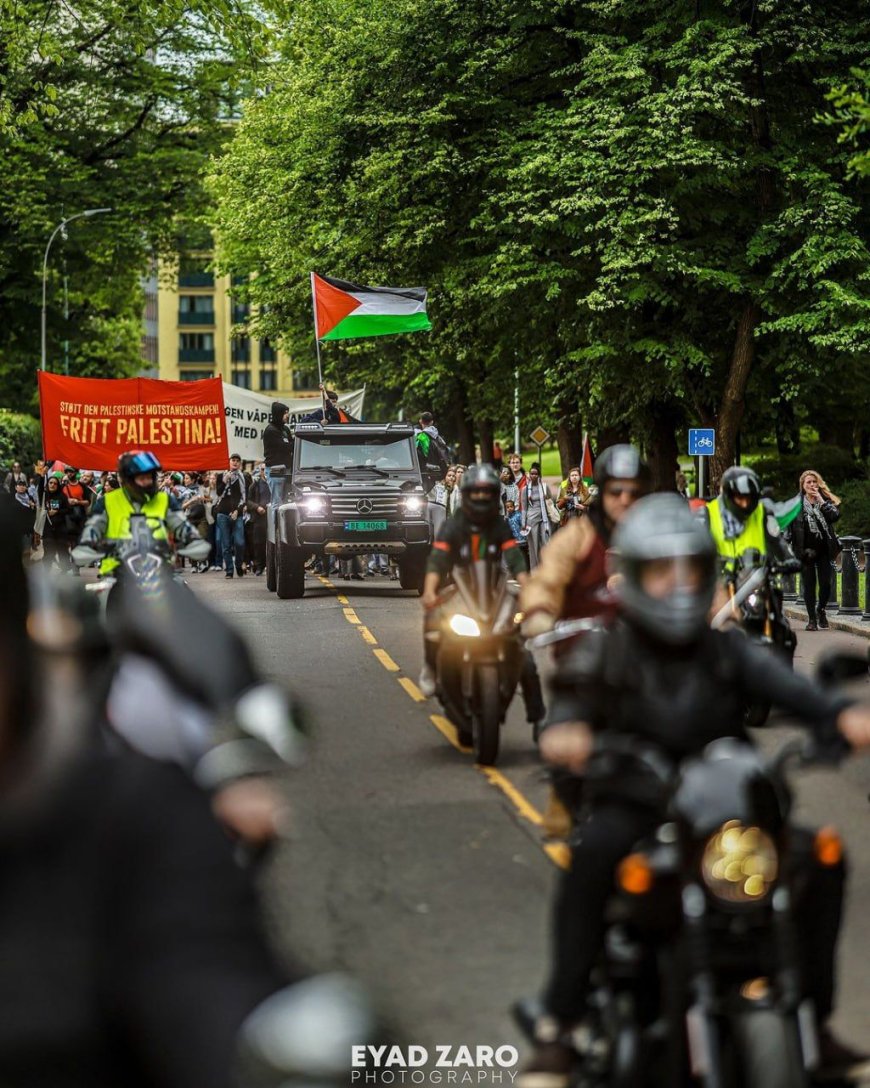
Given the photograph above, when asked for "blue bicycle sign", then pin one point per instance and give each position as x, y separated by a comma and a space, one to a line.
702, 442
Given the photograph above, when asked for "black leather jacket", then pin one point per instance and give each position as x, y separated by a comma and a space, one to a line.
803, 541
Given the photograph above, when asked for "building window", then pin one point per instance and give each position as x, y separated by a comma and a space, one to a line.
149, 349
192, 375
268, 380
196, 304
194, 272
241, 378
241, 350
196, 347
267, 352
241, 312
196, 309
305, 379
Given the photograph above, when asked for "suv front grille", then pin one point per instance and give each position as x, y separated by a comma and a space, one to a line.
382, 506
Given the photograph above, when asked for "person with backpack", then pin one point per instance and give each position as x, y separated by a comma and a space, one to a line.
432, 451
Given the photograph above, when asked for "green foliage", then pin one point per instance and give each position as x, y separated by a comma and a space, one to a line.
598, 193
854, 509
107, 104
20, 439
836, 466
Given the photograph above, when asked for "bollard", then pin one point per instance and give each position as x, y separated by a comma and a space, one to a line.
834, 602
851, 605
865, 615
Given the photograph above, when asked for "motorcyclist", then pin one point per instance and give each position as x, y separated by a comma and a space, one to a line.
466, 537
660, 673
570, 580
138, 494
131, 945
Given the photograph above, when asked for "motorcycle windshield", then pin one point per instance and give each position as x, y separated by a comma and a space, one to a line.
728, 781
481, 585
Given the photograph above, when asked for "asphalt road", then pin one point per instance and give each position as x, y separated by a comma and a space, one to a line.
421, 873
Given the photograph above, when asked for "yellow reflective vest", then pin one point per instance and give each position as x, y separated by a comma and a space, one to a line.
118, 511
751, 537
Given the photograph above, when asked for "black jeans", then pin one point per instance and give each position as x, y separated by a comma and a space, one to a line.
813, 569
605, 837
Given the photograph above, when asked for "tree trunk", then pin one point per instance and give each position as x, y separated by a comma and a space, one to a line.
569, 437
486, 432
733, 397
788, 434
463, 427
663, 450
612, 436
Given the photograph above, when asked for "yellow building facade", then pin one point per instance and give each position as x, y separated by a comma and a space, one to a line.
196, 317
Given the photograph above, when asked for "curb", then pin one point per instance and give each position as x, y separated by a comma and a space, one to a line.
853, 625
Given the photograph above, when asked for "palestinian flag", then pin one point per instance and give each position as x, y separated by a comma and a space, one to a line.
586, 461
343, 310
786, 512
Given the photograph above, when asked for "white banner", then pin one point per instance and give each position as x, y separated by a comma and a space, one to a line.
248, 413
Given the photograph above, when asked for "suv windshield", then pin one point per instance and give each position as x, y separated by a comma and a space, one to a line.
373, 453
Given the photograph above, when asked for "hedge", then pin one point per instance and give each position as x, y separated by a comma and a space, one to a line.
20, 440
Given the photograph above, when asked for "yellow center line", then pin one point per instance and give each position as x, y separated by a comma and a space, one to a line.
448, 729
412, 689
386, 660
558, 853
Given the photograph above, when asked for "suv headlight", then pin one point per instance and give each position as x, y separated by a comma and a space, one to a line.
739, 864
314, 504
414, 504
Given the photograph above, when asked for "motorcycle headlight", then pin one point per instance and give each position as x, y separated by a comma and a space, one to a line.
739, 864
466, 626
314, 504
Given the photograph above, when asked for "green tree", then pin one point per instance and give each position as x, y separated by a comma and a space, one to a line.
106, 103
635, 201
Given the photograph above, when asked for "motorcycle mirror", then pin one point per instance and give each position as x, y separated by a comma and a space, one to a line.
83, 555
196, 549
308, 1030
837, 668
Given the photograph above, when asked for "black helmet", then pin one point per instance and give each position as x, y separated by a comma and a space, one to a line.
134, 463
660, 529
621, 462
477, 479
742, 482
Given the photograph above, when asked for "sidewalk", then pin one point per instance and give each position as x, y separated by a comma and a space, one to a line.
795, 610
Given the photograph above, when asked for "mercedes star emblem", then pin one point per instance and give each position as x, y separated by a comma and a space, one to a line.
365, 506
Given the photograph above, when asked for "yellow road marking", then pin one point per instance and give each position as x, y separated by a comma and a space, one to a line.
558, 853
386, 660
412, 689
520, 803
445, 726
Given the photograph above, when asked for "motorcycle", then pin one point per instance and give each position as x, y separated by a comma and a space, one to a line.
141, 557
699, 979
754, 585
480, 654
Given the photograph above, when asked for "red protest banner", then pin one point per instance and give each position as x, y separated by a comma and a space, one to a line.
91, 421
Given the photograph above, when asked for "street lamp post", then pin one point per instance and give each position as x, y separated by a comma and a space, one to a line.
79, 215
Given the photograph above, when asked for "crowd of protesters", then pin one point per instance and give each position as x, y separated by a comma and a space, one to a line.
52, 503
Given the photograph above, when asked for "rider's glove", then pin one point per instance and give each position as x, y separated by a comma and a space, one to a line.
538, 623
